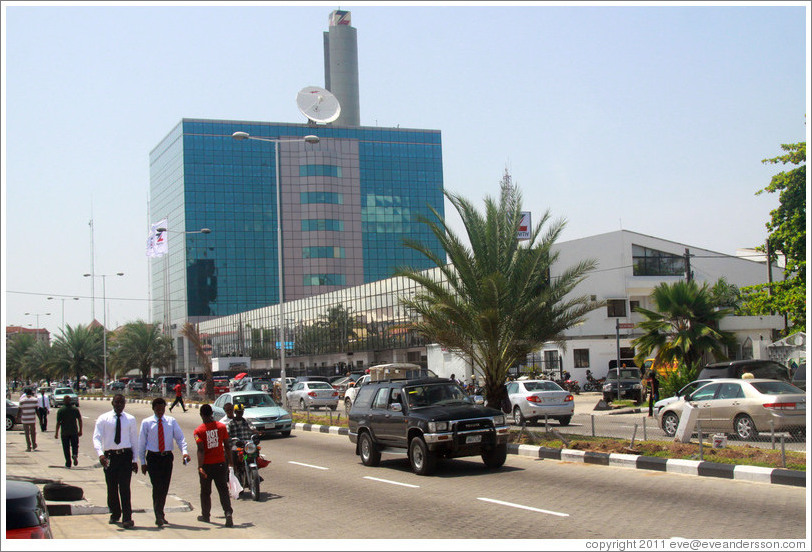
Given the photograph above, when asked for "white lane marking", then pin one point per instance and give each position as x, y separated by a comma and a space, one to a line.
307, 465
524, 507
391, 482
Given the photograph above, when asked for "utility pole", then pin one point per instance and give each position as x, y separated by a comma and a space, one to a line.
688, 274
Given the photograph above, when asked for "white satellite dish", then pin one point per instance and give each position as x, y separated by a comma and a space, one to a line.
318, 105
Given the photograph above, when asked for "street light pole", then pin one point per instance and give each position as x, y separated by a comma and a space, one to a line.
37, 315
104, 325
63, 299
310, 139
168, 316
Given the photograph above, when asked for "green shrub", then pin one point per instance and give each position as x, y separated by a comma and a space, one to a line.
671, 382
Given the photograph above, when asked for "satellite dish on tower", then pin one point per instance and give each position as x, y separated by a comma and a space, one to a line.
318, 105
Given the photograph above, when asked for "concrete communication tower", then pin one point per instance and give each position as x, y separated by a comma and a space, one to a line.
341, 67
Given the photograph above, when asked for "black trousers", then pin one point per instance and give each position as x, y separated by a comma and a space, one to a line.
159, 468
42, 414
178, 400
217, 473
68, 442
117, 475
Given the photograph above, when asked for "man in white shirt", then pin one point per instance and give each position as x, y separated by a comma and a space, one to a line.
43, 409
155, 451
114, 438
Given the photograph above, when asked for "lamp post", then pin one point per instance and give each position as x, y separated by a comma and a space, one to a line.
310, 139
63, 299
37, 315
104, 325
168, 315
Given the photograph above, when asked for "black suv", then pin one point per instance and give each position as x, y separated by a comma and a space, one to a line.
735, 368
426, 419
631, 386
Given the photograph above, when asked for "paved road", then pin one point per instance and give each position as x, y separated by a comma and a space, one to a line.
318, 477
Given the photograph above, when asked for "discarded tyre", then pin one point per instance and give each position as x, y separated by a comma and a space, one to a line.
62, 492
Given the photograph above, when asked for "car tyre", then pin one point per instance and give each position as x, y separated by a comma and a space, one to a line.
333, 406
9, 423
423, 461
347, 405
286, 433
494, 458
518, 418
745, 427
302, 405
370, 455
565, 420
669, 423
798, 434
607, 398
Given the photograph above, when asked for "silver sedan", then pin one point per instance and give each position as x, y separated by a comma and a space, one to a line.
532, 400
310, 394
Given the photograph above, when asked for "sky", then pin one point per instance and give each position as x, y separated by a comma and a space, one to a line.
653, 118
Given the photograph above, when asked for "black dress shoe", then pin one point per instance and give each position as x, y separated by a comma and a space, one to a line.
160, 522
204, 519
112, 520
128, 524
229, 521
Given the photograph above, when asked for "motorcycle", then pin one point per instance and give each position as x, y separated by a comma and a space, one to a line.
570, 385
593, 384
248, 457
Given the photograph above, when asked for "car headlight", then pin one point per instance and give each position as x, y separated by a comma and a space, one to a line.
434, 427
637, 386
499, 420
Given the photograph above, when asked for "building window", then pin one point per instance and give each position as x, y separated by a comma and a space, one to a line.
319, 170
650, 262
615, 308
321, 197
315, 225
581, 358
327, 252
633, 305
325, 280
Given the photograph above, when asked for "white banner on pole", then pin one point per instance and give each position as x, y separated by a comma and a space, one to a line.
157, 245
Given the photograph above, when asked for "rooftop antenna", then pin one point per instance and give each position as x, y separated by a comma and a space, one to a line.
318, 105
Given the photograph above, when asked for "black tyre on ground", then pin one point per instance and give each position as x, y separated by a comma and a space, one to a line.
745, 427
9, 422
286, 433
347, 405
370, 455
423, 461
495, 458
565, 420
670, 422
255, 484
518, 418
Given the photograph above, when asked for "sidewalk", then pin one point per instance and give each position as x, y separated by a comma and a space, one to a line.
47, 464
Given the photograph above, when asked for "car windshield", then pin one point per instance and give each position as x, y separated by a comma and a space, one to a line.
776, 388
420, 396
254, 401
319, 385
542, 386
63, 391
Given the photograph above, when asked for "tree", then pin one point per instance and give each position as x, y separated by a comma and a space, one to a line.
140, 346
787, 237
39, 361
497, 300
684, 326
339, 325
17, 348
190, 332
78, 350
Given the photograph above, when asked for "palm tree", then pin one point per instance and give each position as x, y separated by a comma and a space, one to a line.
497, 301
190, 332
684, 326
78, 350
39, 361
139, 345
17, 348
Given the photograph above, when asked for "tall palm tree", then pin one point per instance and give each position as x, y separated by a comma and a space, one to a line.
190, 332
39, 359
684, 326
139, 345
78, 350
17, 348
496, 301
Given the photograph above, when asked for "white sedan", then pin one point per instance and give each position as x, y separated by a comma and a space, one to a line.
308, 394
532, 400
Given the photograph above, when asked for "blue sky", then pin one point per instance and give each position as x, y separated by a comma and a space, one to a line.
652, 118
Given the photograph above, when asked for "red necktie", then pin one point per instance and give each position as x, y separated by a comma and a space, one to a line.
160, 435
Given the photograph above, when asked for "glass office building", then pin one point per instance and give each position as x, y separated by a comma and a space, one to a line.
347, 203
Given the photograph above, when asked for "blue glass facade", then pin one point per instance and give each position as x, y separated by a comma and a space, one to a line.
357, 192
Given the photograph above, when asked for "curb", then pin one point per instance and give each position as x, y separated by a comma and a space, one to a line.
775, 476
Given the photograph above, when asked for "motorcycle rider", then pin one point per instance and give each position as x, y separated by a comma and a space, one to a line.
239, 428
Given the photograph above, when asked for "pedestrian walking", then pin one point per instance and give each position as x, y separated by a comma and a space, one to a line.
178, 397
28, 417
212, 464
653, 391
114, 438
155, 444
69, 421
43, 409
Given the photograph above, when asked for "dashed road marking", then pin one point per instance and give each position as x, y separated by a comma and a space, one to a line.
307, 465
392, 482
512, 505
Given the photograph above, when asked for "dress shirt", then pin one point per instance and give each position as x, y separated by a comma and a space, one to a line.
105, 432
148, 438
43, 402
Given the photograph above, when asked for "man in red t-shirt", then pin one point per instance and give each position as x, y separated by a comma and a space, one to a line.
212, 464
178, 397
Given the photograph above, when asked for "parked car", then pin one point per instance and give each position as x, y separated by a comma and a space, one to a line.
166, 384
352, 391
26, 512
532, 400
61, 392
12, 412
116, 386
310, 394
325, 379
49, 394
735, 368
425, 419
260, 409
631, 386
743, 407
221, 385
264, 385
686, 390
137, 384
341, 384
799, 376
